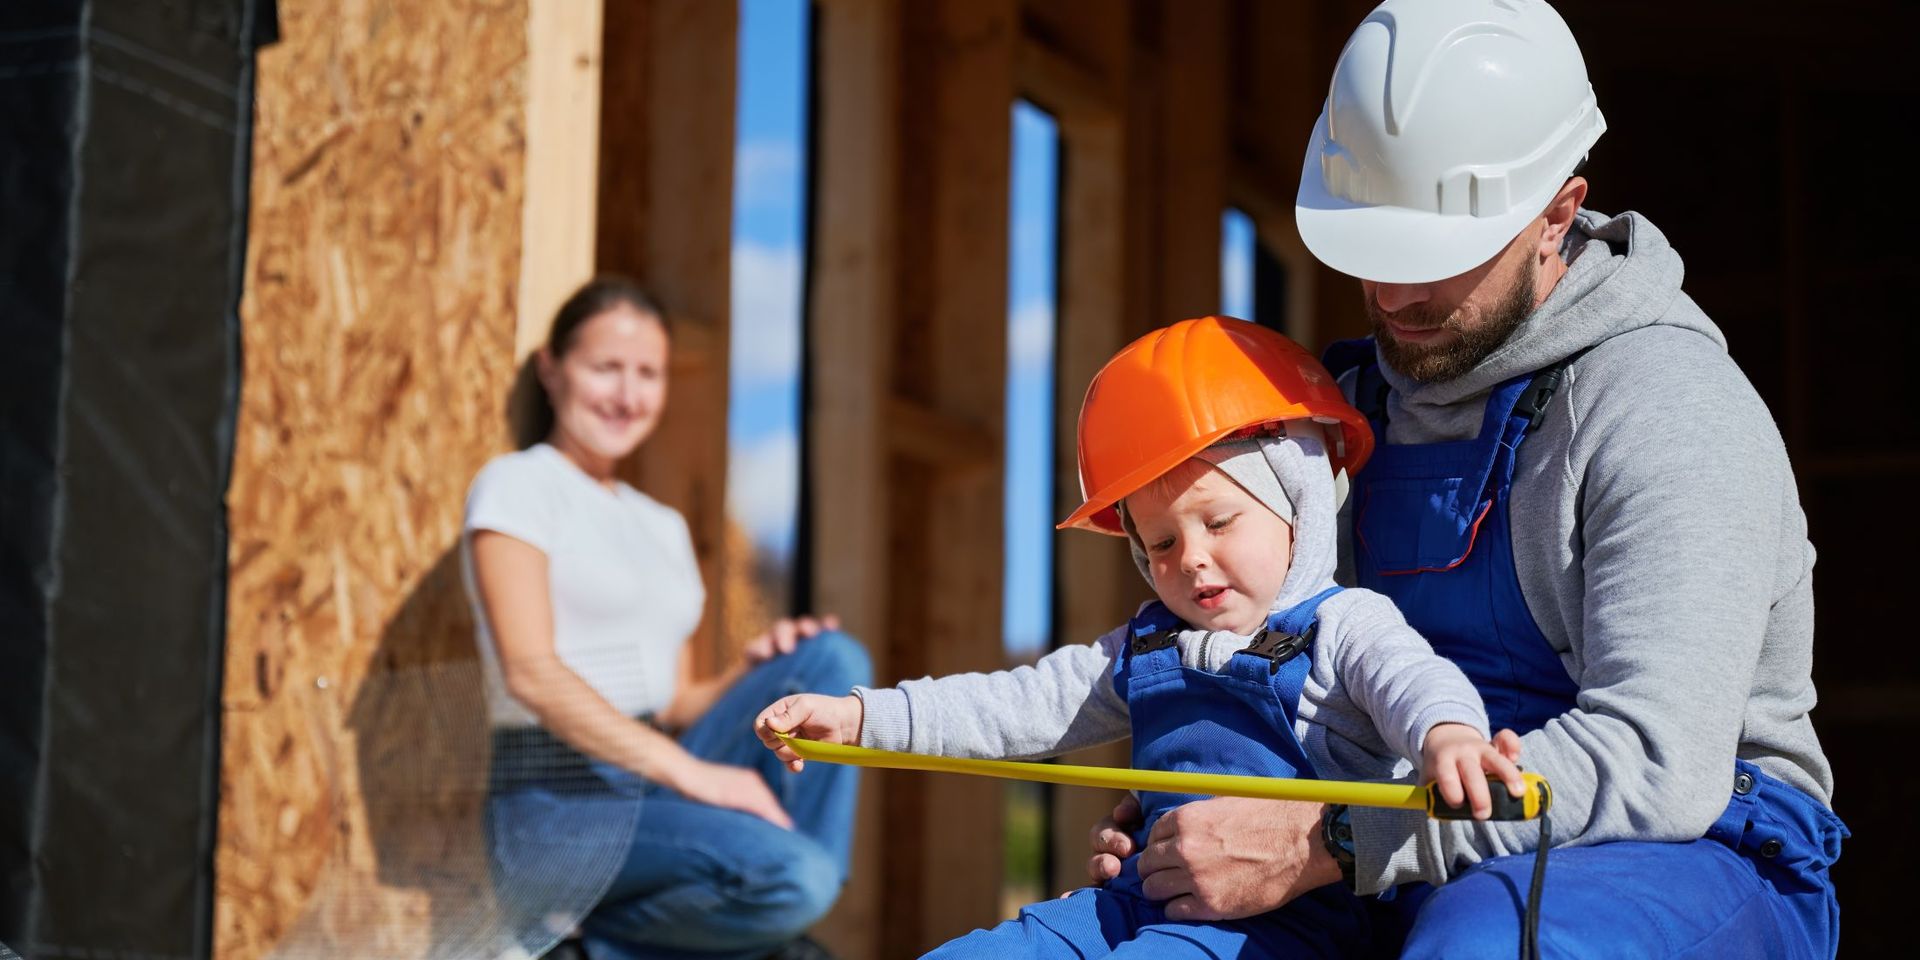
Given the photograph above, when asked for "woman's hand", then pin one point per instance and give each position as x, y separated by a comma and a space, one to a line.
1456, 758
809, 716
734, 788
784, 635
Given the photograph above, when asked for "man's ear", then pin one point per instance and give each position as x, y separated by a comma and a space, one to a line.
1559, 215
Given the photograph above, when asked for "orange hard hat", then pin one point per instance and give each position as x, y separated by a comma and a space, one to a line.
1182, 388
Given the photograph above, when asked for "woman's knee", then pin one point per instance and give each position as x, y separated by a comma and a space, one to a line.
793, 894
834, 661
766, 900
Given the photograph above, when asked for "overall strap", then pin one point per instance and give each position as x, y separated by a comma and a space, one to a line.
1370, 388
1274, 658
1154, 629
1546, 382
1529, 409
1287, 633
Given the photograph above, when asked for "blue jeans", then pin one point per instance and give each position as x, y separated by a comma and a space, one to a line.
691, 880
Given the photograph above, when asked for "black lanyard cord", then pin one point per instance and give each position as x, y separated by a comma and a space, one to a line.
1530, 925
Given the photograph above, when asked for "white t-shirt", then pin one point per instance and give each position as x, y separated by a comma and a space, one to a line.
621, 570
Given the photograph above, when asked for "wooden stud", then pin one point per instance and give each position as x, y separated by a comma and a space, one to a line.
925, 435
666, 218
1190, 138
1096, 584
950, 355
849, 352
563, 123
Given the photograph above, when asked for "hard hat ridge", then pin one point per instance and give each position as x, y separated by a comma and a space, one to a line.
1448, 126
1174, 392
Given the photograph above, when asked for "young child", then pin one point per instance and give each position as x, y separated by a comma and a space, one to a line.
1206, 444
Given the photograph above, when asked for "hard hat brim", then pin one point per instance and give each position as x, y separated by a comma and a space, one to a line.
1390, 244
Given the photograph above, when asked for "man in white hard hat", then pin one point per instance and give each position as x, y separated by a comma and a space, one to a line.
1580, 499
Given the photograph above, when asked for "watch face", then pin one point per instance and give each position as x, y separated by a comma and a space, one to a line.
1339, 833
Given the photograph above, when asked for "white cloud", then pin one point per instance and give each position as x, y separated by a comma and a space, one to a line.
766, 312
766, 172
763, 488
1030, 339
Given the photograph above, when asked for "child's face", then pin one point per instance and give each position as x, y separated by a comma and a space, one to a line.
1217, 554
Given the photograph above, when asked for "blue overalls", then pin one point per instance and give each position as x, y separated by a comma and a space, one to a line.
1240, 720
1432, 531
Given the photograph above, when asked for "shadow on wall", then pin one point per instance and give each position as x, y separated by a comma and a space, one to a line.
417, 881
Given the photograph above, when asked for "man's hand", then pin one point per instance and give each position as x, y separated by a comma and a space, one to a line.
1230, 857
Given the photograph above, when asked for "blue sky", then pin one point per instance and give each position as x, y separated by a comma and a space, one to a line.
1031, 324
769, 231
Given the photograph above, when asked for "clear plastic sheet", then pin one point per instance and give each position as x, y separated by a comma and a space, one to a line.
476, 844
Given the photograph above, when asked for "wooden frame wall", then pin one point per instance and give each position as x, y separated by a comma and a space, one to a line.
907, 359
910, 246
907, 356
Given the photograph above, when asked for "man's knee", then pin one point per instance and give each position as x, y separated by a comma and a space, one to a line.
1476, 915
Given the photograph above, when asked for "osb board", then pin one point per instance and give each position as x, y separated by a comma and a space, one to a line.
378, 329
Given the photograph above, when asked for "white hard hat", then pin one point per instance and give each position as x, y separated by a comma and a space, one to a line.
1448, 126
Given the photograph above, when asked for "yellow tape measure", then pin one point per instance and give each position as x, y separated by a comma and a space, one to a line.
1537, 799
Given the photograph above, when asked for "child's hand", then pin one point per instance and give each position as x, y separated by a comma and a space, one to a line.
1457, 759
809, 716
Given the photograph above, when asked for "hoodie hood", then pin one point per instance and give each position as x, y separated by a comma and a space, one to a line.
1297, 469
1622, 275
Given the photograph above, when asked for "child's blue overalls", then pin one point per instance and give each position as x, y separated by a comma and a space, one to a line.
1432, 531
1240, 720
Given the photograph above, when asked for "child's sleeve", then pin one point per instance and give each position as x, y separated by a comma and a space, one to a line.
1389, 671
1064, 702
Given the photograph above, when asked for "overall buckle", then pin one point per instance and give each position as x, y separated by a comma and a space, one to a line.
1277, 648
1157, 640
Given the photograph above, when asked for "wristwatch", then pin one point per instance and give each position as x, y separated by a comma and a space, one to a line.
1336, 834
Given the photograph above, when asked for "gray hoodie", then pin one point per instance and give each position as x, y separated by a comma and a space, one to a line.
1661, 549
1373, 691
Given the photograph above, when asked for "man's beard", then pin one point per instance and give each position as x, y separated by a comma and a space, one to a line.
1469, 345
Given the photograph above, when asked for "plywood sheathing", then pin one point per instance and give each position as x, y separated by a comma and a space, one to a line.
378, 330
666, 218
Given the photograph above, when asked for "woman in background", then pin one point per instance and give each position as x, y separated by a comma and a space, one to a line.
585, 591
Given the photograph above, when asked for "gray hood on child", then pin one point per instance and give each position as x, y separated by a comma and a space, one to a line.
1292, 477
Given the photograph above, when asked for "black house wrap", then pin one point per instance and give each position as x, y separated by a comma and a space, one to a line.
125, 137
